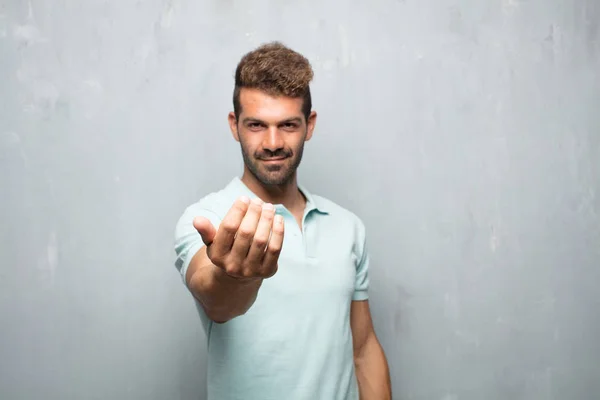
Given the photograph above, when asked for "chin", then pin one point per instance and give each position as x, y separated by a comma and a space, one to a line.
274, 178
274, 181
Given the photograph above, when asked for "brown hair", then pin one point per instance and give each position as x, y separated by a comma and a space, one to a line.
276, 70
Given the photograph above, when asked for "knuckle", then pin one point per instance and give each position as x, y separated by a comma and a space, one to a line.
260, 242
229, 226
216, 259
275, 254
247, 272
227, 266
230, 266
246, 267
232, 270
252, 268
239, 206
267, 215
274, 249
254, 207
245, 233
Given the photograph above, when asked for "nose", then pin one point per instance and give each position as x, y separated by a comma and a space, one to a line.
273, 140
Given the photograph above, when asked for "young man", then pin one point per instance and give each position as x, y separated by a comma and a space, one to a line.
280, 275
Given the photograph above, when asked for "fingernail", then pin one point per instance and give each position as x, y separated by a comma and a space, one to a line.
257, 201
244, 199
279, 219
268, 206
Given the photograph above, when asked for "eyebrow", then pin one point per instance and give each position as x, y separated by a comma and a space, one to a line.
295, 119
246, 120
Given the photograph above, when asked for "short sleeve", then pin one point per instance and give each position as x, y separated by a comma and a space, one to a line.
187, 239
361, 282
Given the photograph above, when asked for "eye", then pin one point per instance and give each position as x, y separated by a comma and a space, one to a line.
254, 125
290, 126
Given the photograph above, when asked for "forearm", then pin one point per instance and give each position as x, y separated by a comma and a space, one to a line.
222, 297
372, 372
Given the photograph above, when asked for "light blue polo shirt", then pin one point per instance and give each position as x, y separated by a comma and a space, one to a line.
295, 342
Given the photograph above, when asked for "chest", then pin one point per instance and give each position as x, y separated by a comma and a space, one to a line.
316, 259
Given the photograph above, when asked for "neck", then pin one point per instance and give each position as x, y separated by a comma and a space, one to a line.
286, 194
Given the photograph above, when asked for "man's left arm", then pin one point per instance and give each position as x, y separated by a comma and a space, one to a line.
371, 366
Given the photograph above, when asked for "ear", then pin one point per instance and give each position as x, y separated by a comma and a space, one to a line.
310, 125
233, 126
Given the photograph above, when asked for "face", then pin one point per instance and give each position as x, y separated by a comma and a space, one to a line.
271, 131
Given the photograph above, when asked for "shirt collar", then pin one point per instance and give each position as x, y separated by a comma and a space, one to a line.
238, 188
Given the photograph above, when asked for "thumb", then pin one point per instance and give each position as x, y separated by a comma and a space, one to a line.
206, 229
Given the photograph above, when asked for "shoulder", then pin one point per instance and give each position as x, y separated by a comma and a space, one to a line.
213, 206
342, 215
346, 225
217, 203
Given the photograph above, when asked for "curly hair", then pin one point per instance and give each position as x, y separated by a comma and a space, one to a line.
276, 70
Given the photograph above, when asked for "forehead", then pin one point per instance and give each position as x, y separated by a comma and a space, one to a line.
258, 104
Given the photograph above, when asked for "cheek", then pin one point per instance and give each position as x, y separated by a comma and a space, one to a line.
248, 142
297, 146
295, 140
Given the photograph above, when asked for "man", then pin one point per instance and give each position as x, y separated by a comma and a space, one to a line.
280, 275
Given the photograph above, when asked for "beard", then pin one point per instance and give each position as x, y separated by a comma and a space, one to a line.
273, 175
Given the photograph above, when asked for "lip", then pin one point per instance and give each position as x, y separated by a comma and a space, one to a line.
273, 160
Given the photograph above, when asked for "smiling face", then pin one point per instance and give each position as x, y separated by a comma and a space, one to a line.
271, 131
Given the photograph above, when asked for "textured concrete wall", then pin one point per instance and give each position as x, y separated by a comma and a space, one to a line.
465, 133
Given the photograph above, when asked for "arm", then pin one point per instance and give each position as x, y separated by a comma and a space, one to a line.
371, 365
227, 265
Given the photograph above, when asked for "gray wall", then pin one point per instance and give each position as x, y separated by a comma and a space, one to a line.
465, 133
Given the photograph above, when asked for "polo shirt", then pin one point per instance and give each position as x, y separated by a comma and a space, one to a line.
295, 342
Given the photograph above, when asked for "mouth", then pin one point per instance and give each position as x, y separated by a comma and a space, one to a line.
273, 160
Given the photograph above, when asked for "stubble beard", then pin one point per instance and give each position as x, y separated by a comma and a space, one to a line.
273, 175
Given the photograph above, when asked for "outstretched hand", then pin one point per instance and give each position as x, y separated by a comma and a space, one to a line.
248, 241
